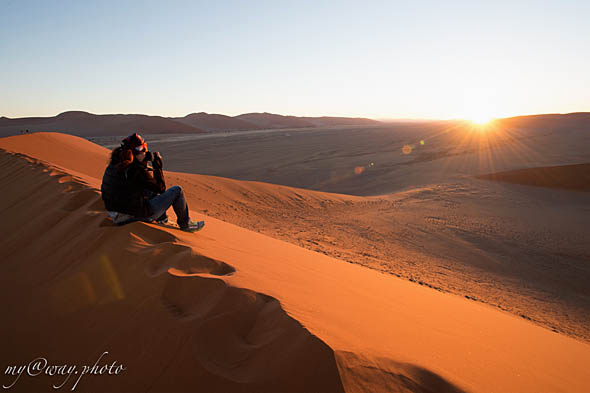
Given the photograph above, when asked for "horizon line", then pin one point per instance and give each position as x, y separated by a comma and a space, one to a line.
380, 119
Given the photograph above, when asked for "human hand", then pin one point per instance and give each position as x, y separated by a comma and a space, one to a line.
157, 159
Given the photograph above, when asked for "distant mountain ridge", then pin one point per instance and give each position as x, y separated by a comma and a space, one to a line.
270, 120
87, 124
215, 122
265, 120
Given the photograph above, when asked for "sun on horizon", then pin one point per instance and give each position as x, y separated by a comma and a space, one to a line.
479, 119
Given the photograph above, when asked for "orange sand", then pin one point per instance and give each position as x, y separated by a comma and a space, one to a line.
229, 309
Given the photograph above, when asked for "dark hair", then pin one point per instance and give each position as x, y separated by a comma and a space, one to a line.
121, 157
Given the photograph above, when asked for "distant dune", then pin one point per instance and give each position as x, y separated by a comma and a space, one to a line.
547, 121
90, 125
215, 122
228, 309
256, 121
269, 120
571, 177
341, 121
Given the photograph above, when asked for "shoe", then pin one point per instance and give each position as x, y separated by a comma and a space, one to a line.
193, 226
163, 219
121, 218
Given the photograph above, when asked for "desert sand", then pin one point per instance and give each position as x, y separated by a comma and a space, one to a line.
232, 309
419, 203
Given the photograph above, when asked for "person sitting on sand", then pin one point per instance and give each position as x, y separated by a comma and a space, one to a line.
132, 191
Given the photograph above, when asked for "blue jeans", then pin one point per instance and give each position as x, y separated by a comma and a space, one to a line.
171, 197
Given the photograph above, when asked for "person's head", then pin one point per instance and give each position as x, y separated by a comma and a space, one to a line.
132, 148
137, 144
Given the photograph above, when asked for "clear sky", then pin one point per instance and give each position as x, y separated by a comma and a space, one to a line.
379, 59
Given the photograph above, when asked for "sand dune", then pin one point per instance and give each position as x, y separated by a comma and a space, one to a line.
424, 215
482, 240
551, 121
215, 122
88, 124
230, 309
91, 125
571, 177
271, 120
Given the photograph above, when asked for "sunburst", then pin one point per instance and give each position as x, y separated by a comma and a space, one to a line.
480, 119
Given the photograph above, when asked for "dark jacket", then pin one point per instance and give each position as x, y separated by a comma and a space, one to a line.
124, 191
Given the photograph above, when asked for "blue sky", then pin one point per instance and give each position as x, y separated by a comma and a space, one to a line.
380, 59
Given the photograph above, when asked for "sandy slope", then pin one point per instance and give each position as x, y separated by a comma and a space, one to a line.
482, 240
232, 310
522, 249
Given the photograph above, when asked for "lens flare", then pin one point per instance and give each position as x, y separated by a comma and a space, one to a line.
480, 120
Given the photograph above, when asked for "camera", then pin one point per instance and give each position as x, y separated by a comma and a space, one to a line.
154, 157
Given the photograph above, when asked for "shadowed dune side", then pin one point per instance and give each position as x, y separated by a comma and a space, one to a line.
381, 375
571, 177
80, 271
93, 287
74, 286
